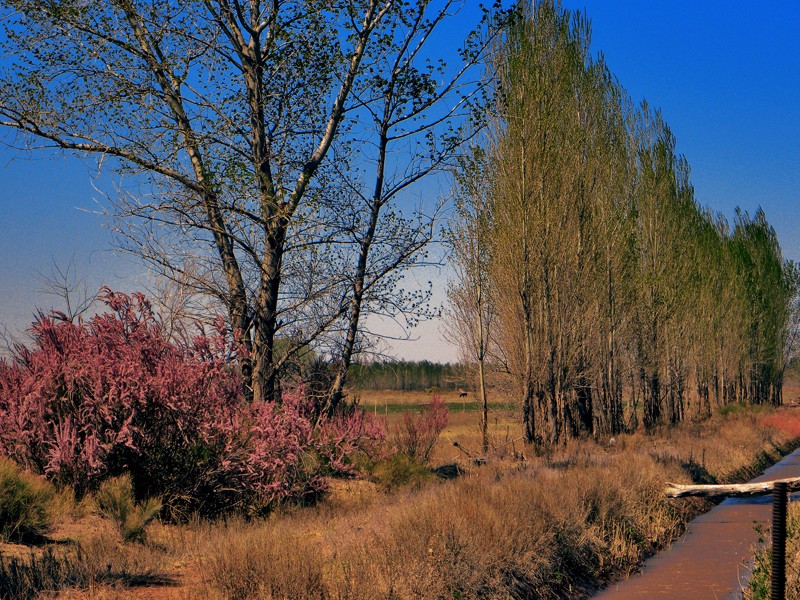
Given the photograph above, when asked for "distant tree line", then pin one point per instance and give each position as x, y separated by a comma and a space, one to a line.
407, 375
586, 268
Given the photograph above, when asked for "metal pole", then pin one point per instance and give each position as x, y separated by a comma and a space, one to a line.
778, 580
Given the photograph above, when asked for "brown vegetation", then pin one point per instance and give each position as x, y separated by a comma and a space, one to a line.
546, 527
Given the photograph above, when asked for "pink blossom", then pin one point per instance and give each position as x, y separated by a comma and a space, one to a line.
417, 434
93, 399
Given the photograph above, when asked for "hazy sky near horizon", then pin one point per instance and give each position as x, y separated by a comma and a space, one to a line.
726, 75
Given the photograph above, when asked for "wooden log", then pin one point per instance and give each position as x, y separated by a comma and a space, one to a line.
677, 490
464, 450
476, 459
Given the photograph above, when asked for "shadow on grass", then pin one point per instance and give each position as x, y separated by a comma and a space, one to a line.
450, 471
48, 572
138, 580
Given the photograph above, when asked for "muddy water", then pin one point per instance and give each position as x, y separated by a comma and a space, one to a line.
710, 560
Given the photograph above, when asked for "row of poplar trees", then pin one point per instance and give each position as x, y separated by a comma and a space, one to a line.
586, 269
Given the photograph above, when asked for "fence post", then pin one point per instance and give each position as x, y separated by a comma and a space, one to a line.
778, 580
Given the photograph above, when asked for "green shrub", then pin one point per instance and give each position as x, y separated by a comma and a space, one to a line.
115, 500
24, 500
735, 409
400, 470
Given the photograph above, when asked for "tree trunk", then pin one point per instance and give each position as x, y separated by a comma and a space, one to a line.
485, 407
528, 404
265, 375
652, 402
585, 410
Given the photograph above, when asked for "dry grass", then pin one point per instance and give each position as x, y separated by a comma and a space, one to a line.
101, 563
532, 532
547, 527
85, 555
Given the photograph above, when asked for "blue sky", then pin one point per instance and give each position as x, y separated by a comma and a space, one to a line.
46, 204
726, 75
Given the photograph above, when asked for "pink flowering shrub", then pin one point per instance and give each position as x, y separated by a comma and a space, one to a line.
417, 434
289, 456
93, 400
347, 434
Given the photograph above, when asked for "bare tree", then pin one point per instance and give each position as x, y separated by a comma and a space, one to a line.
472, 313
267, 143
64, 282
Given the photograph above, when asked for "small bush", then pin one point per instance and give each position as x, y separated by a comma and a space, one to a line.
115, 501
400, 470
417, 434
24, 502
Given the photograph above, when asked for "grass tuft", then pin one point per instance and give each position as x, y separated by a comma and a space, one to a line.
25, 579
115, 500
24, 503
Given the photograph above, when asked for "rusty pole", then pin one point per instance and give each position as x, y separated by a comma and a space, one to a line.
778, 579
